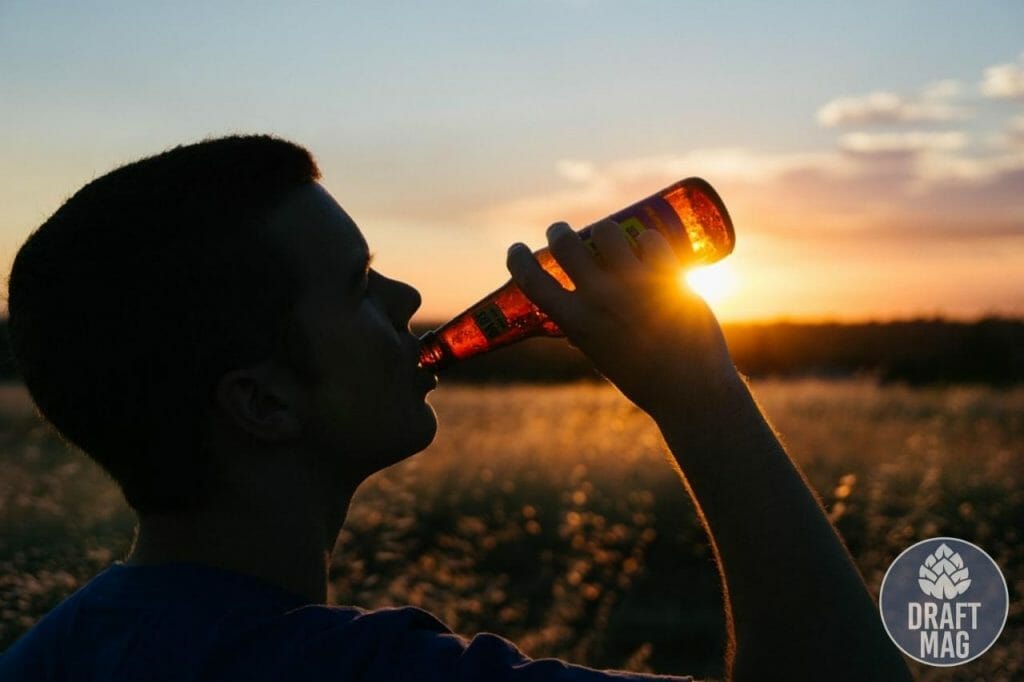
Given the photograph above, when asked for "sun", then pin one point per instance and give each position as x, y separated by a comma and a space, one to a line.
714, 283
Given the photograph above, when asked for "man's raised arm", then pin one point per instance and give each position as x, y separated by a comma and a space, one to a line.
796, 606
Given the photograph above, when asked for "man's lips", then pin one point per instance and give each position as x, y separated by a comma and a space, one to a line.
424, 377
427, 378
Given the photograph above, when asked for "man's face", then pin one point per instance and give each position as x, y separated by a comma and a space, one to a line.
367, 409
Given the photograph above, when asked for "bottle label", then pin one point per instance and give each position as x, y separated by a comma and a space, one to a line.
651, 213
631, 227
491, 321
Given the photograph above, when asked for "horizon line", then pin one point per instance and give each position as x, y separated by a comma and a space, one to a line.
825, 320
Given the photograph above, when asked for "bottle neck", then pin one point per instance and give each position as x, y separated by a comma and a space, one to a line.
432, 352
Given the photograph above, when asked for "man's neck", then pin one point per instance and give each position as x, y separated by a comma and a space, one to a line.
288, 549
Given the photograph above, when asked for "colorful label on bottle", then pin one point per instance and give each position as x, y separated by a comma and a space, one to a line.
491, 320
651, 213
631, 227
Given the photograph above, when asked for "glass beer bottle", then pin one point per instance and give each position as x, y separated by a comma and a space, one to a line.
689, 213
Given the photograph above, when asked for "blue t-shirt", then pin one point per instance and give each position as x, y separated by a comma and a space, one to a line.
193, 622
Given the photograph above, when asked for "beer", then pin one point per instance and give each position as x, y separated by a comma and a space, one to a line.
689, 214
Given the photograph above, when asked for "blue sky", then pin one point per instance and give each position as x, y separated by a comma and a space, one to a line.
453, 128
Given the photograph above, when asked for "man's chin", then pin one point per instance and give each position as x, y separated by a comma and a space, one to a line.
427, 430
416, 434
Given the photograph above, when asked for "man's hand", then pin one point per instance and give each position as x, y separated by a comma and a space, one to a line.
796, 607
629, 314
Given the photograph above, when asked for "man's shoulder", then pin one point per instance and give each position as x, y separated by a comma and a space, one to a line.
316, 622
367, 632
409, 643
109, 630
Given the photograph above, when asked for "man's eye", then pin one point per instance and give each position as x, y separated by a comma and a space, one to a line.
364, 284
360, 284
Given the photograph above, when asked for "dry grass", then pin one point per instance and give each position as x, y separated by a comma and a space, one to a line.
548, 515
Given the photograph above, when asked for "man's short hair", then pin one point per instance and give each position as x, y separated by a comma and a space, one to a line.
131, 302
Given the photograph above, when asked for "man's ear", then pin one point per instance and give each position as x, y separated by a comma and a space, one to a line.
261, 400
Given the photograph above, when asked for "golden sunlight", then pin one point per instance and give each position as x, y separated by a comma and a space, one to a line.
714, 283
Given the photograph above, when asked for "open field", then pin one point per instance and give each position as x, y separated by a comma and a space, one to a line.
548, 515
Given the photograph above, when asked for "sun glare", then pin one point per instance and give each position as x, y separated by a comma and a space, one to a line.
714, 283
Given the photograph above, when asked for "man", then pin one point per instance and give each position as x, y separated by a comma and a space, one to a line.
205, 324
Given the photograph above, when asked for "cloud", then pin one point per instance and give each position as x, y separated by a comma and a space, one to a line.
1010, 138
730, 163
932, 105
576, 171
902, 143
950, 170
594, 190
906, 186
944, 89
1004, 81
1015, 132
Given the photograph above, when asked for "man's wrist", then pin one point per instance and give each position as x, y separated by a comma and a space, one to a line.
719, 399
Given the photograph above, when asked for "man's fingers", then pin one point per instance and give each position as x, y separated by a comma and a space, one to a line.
572, 255
540, 287
656, 253
614, 248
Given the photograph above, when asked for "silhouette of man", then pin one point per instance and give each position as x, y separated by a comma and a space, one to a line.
206, 325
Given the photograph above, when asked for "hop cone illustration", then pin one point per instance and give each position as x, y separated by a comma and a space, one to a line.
943, 574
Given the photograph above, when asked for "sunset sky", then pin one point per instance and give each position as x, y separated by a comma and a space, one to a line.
871, 153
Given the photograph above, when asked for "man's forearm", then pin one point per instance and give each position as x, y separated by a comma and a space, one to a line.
798, 605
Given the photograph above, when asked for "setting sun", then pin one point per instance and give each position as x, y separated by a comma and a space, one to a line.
714, 283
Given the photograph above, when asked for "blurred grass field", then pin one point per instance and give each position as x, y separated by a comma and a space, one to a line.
548, 514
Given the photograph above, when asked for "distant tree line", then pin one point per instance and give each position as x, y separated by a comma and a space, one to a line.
922, 351
990, 350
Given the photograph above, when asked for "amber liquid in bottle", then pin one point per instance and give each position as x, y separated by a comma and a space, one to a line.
689, 213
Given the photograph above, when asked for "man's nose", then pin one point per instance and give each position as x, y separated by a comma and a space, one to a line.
403, 301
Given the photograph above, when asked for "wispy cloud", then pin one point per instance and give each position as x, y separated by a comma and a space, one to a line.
931, 105
596, 189
1004, 81
1014, 135
917, 185
734, 163
902, 143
